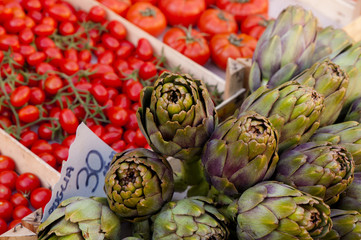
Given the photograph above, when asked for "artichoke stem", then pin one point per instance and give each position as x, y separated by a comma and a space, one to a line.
192, 172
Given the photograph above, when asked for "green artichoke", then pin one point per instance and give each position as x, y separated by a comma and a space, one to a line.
329, 80
273, 210
241, 152
350, 62
346, 134
285, 48
354, 112
351, 198
177, 116
138, 183
190, 218
81, 218
330, 42
293, 109
318, 168
346, 225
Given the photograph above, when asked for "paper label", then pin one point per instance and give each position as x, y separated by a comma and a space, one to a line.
84, 172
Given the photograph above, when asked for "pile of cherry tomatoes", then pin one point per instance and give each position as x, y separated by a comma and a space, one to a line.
220, 29
60, 66
20, 194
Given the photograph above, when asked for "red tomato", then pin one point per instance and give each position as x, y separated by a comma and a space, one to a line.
61, 153
43, 30
26, 36
242, 9
36, 58
224, 46
118, 6
129, 136
117, 29
42, 43
214, 21
100, 93
8, 178
97, 14
55, 55
13, 223
9, 42
254, 25
110, 42
53, 84
118, 116
182, 12
14, 25
29, 114
20, 96
133, 91
66, 28
111, 137
68, 121
107, 57
119, 146
5, 192
18, 199
27, 138
133, 122
37, 96
111, 80
122, 100
147, 71
6, 210
20, 212
48, 158
189, 42
45, 131
154, 2
59, 11
40, 146
27, 182
139, 138
144, 50
68, 140
70, 67
125, 49
6, 163
148, 17
40, 197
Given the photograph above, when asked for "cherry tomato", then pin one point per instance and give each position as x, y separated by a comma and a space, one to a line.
111, 137
182, 12
133, 122
26, 50
9, 42
40, 146
154, 2
5, 192
189, 42
139, 138
27, 138
147, 71
66, 28
118, 116
45, 131
54, 55
53, 84
29, 114
59, 12
37, 96
6, 163
40, 197
27, 182
70, 67
148, 17
133, 91
8, 178
6, 210
100, 93
85, 55
214, 21
242, 9
20, 96
43, 30
97, 14
107, 57
68, 140
20, 212
119, 146
100, 69
14, 25
117, 29
26, 36
13, 223
42, 43
224, 46
18, 199
68, 121
129, 136
36, 58
110, 42
5, 122
60, 153
118, 6
111, 79
144, 50
48, 158
123, 101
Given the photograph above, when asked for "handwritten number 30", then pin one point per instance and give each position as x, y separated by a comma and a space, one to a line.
90, 171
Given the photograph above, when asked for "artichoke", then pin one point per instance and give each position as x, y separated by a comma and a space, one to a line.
346, 134
138, 183
293, 109
351, 198
81, 218
285, 49
318, 168
331, 81
350, 62
346, 225
354, 112
330, 42
241, 152
190, 218
177, 116
273, 210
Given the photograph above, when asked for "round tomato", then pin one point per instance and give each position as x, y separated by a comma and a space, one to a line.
118, 6
59, 11
27, 182
117, 29
214, 21
53, 84
147, 71
29, 113
13, 223
148, 17
40, 197
224, 46
5, 192
18, 199
68, 121
241, 9
27, 138
182, 12
133, 90
40, 146
20, 212
117, 116
8, 178
254, 25
97, 14
6, 163
154, 2
6, 210
189, 42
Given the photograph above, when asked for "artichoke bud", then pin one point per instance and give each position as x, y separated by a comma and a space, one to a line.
354, 112
318, 168
190, 218
351, 198
273, 210
346, 225
329, 80
241, 152
138, 183
81, 218
177, 116
293, 109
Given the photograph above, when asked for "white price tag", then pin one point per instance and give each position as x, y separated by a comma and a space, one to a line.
84, 172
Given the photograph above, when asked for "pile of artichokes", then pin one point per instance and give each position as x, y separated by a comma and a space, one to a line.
287, 165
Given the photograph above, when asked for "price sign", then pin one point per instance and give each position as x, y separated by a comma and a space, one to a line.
84, 172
